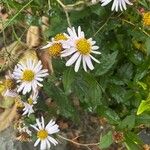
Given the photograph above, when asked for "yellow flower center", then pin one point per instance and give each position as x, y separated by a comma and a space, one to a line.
30, 101
83, 46
146, 19
9, 84
28, 75
55, 49
59, 37
42, 134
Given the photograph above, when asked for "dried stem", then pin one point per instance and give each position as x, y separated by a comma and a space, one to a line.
79, 144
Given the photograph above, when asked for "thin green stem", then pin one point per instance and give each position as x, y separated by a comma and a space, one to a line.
9, 21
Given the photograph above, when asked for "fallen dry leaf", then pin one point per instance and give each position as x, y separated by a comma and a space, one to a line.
33, 37
9, 55
7, 117
46, 61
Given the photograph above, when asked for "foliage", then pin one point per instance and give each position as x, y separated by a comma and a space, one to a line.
118, 87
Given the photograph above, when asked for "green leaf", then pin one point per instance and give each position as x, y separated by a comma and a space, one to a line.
106, 63
118, 93
144, 106
88, 90
65, 107
125, 122
142, 119
147, 44
132, 141
67, 79
106, 140
111, 115
142, 84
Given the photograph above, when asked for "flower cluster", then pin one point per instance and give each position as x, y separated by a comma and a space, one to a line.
76, 46
26, 79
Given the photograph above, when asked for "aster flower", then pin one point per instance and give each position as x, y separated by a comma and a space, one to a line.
28, 106
80, 49
44, 133
29, 75
117, 4
9, 85
55, 46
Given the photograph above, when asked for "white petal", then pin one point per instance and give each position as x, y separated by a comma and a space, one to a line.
39, 79
21, 87
42, 119
52, 140
89, 62
84, 64
39, 124
95, 47
33, 126
73, 59
114, 5
43, 145
95, 52
47, 46
50, 124
48, 143
37, 142
77, 65
129, 3
95, 59
106, 2
69, 52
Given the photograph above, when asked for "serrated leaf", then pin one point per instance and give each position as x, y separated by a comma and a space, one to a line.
106, 140
88, 90
144, 106
132, 141
125, 122
118, 93
67, 79
65, 107
111, 115
106, 63
142, 119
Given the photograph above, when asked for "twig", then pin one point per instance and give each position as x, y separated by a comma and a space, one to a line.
102, 26
135, 26
66, 12
79, 144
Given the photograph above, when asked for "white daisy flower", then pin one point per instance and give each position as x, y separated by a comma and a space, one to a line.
55, 46
28, 106
44, 132
80, 49
29, 75
10, 86
117, 4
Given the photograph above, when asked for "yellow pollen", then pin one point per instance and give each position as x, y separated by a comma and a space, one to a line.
55, 49
28, 75
59, 37
9, 84
83, 46
146, 19
42, 134
30, 101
